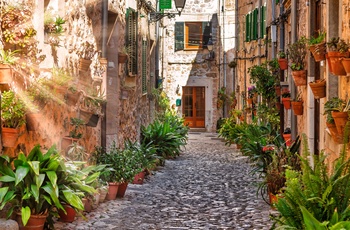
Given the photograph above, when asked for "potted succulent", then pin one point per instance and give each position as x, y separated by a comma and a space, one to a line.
337, 50
282, 60
37, 185
317, 46
13, 112
86, 52
297, 54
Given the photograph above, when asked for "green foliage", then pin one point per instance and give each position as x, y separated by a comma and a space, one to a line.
264, 80
317, 39
167, 136
297, 53
12, 110
162, 101
337, 44
334, 104
77, 124
39, 183
325, 195
8, 57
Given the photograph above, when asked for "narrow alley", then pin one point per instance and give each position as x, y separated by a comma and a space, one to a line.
208, 187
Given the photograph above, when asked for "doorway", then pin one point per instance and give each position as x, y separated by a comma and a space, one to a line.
193, 106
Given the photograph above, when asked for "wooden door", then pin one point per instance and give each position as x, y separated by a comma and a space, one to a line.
193, 106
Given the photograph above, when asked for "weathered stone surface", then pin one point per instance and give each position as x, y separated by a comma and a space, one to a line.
208, 187
8, 225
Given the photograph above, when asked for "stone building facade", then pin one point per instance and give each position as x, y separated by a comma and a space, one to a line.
108, 26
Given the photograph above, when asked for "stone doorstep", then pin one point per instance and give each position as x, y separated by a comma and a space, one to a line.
8, 225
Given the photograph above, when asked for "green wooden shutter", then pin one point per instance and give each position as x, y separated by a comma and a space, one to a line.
251, 25
179, 35
144, 66
165, 4
255, 24
247, 28
131, 40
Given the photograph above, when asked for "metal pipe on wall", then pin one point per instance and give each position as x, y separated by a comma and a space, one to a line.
104, 55
294, 19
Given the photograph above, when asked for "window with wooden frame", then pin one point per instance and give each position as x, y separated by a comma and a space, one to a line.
131, 40
191, 35
253, 25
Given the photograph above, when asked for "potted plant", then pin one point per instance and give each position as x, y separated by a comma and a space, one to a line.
333, 104
75, 134
37, 185
286, 99
90, 109
317, 46
338, 108
297, 53
337, 50
123, 55
222, 97
297, 105
8, 58
252, 94
318, 88
282, 60
287, 136
12, 117
86, 52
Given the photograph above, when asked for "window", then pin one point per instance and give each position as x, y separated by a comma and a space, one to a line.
144, 65
253, 25
131, 40
191, 35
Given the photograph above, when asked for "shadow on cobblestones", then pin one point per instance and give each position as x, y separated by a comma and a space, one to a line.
208, 187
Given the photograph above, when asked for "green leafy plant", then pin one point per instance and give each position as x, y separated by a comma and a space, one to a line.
77, 124
282, 54
8, 57
319, 38
263, 80
337, 44
77, 152
12, 110
297, 54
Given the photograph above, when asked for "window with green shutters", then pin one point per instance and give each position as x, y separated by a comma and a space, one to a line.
131, 40
144, 65
191, 35
253, 25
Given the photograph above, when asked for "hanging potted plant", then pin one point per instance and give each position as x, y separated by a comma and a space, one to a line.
252, 95
282, 60
12, 117
331, 105
286, 99
339, 112
337, 50
318, 88
317, 46
123, 55
287, 136
86, 52
297, 53
297, 106
8, 58
90, 108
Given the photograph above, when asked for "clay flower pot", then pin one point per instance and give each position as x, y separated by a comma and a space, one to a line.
299, 77
318, 88
297, 107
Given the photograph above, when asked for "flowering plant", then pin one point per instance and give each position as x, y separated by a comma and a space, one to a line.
251, 91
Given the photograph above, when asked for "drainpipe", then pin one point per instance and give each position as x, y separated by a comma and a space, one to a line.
156, 53
273, 28
282, 47
223, 48
291, 83
104, 55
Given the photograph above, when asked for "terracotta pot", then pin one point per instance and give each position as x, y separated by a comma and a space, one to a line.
70, 214
91, 119
337, 67
318, 88
337, 138
138, 179
239, 146
340, 119
278, 90
122, 189
346, 65
112, 191
72, 98
318, 51
249, 101
283, 63
288, 139
122, 57
9, 137
286, 102
103, 193
35, 222
273, 199
299, 77
33, 121
84, 64
297, 107
87, 204
5, 74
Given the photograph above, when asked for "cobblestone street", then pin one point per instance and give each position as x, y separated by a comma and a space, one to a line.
208, 187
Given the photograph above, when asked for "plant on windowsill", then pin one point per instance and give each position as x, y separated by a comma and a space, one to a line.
297, 54
317, 46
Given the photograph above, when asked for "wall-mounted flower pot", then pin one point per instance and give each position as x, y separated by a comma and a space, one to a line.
33, 120
318, 51
286, 102
5, 74
90, 119
84, 64
250, 101
337, 138
122, 58
283, 63
9, 137
130, 81
299, 77
336, 66
287, 138
318, 88
346, 65
340, 119
297, 107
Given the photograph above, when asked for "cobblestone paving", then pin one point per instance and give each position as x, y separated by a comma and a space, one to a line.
208, 187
